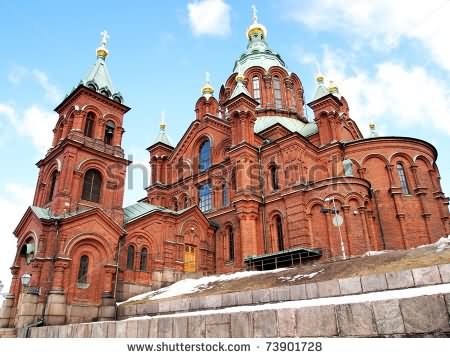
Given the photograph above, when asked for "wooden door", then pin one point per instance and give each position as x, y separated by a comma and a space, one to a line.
189, 259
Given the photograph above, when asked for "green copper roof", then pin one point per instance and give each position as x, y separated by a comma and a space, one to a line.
258, 53
140, 209
42, 213
294, 125
238, 89
163, 137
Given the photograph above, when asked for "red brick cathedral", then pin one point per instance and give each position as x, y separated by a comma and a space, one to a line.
253, 183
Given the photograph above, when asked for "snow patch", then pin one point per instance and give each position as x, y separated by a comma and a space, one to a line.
442, 244
374, 253
191, 285
300, 276
339, 300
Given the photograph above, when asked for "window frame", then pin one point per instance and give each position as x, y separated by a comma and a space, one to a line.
89, 125
256, 88
204, 163
277, 96
280, 233
83, 270
131, 252
143, 260
92, 195
403, 179
52, 187
205, 198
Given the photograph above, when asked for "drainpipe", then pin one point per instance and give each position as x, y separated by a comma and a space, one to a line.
119, 247
263, 199
374, 194
35, 324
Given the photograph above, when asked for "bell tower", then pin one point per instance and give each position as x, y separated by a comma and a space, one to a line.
85, 166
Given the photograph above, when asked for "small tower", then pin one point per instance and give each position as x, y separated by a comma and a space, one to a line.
85, 167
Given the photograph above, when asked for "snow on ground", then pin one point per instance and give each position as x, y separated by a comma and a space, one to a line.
191, 285
375, 253
300, 276
339, 300
440, 245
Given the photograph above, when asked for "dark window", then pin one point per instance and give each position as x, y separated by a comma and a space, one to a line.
230, 244
83, 270
52, 186
109, 132
256, 89
89, 126
205, 155
274, 177
277, 92
205, 198
143, 261
225, 197
403, 180
186, 202
279, 225
92, 185
175, 204
233, 179
130, 257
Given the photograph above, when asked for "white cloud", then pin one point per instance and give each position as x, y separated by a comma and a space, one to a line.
209, 17
394, 94
34, 123
383, 22
13, 203
18, 74
51, 91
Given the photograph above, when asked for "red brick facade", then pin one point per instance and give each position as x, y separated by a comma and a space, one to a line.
268, 183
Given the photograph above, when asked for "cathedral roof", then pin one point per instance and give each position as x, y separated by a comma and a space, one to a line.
162, 135
294, 125
258, 52
321, 89
98, 78
140, 209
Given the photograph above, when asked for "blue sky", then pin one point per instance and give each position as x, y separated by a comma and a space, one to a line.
391, 60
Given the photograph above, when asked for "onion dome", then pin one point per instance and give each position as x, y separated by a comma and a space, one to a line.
258, 52
207, 89
98, 78
333, 89
162, 135
321, 89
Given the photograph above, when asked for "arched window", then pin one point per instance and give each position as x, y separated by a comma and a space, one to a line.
205, 155
256, 89
205, 198
89, 125
175, 204
402, 177
225, 197
279, 228
233, 179
274, 177
130, 257
51, 190
143, 260
186, 202
83, 269
277, 92
92, 186
109, 132
230, 243
28, 249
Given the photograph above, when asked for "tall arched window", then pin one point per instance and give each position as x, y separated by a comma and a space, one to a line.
51, 190
205, 197
92, 186
143, 260
175, 204
402, 177
83, 269
230, 243
256, 89
89, 125
225, 197
274, 177
109, 132
277, 92
130, 257
233, 179
205, 155
279, 228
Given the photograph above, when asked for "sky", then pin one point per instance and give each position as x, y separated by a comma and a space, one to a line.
390, 59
